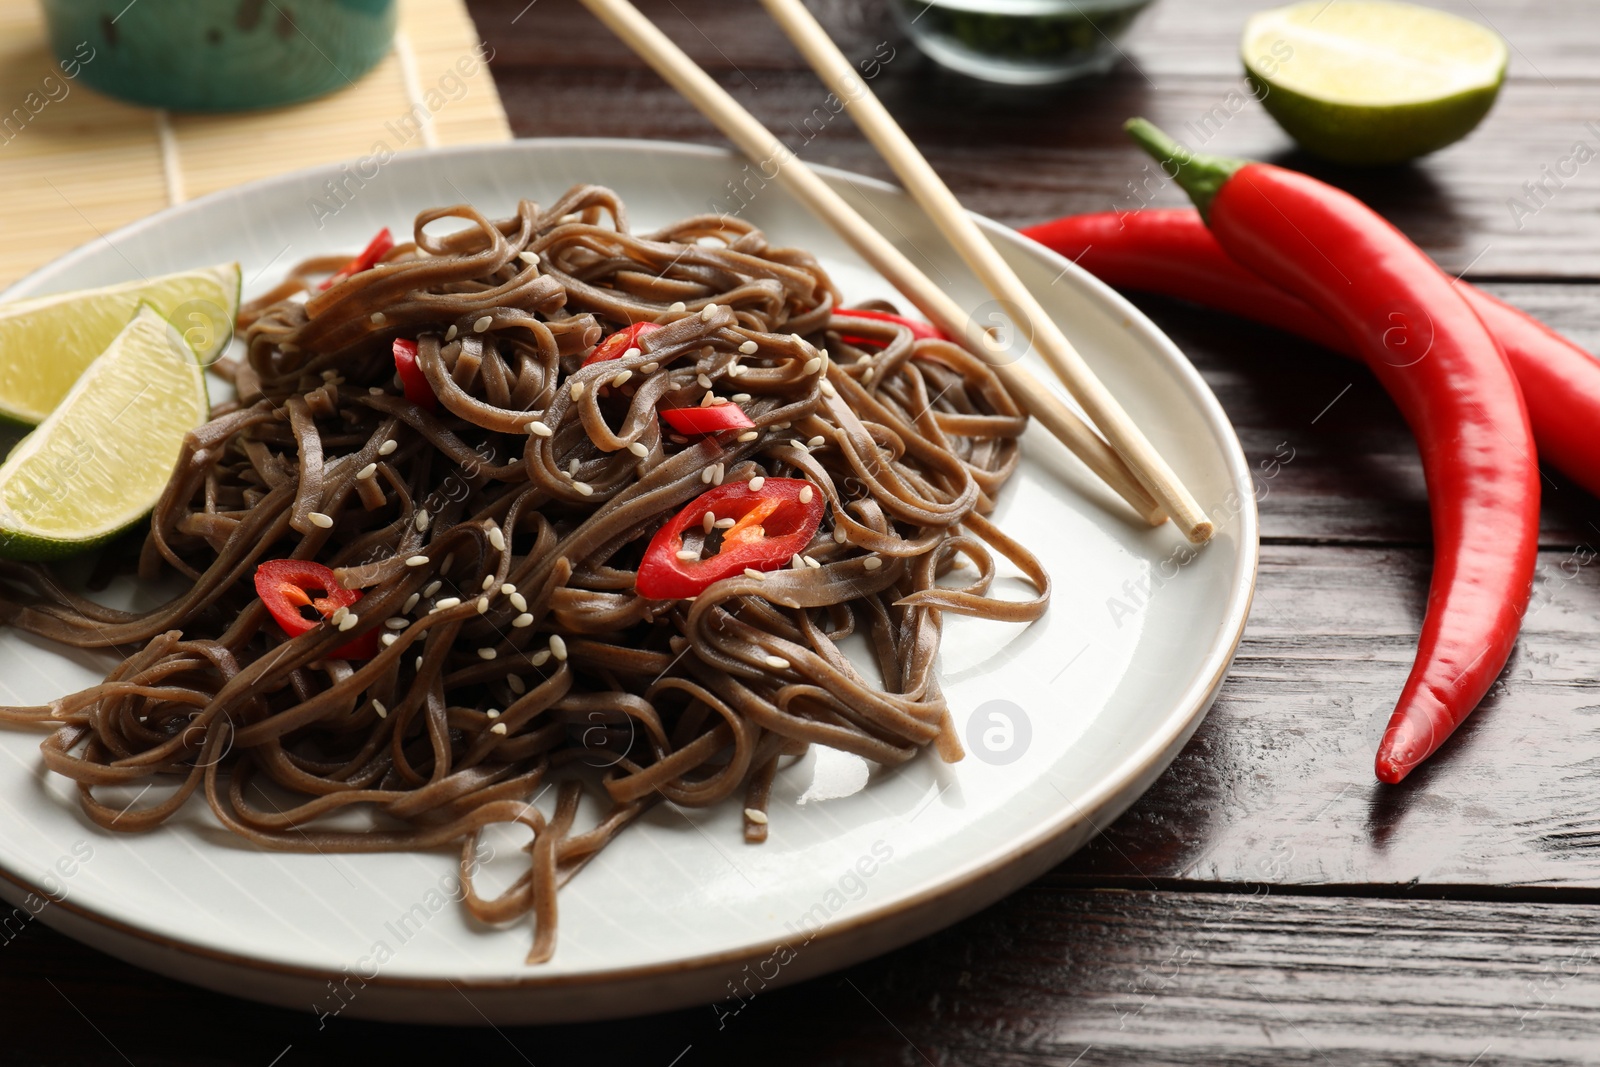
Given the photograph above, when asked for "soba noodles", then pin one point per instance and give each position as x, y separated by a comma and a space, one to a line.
496, 542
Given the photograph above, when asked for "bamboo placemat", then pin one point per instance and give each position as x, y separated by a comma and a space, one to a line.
75, 164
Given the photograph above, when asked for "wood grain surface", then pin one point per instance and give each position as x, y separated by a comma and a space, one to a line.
1266, 902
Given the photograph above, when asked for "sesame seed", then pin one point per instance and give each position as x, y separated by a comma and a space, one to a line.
757, 817
749, 435
708, 312
716, 474
805, 494
777, 663
498, 729
540, 658
717, 401
649, 368
678, 305
522, 620
389, 639
749, 348
794, 338
584, 487
487, 653
736, 370
350, 621
493, 713
483, 605
488, 580
707, 521
838, 534
780, 426
320, 520
571, 216
450, 334
740, 398
377, 706
374, 390
817, 441
411, 602
539, 428
516, 683
621, 378
446, 603
705, 475
828, 390
704, 382
518, 601
422, 520
378, 318
366, 472
419, 663
756, 483
872, 563
508, 589
688, 553
432, 588
812, 563
813, 365
558, 647
497, 539
483, 324
395, 622
751, 572
572, 468
797, 443
726, 524
530, 258
417, 561
339, 615
796, 562
708, 400
388, 447
638, 449
577, 390
866, 375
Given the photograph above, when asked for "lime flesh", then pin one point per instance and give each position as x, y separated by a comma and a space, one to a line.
1370, 82
47, 341
98, 463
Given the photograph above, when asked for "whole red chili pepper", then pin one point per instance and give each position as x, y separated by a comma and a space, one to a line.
1170, 251
1450, 381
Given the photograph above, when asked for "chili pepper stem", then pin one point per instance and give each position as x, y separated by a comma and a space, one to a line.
1199, 175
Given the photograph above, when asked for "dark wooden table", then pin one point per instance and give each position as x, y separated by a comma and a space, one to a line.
1267, 902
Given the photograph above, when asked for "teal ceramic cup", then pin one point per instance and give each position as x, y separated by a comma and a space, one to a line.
220, 55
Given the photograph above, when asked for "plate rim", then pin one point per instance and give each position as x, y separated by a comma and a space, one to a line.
1150, 757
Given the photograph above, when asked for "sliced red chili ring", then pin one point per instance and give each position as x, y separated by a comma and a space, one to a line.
771, 525
376, 249
292, 588
412, 380
614, 346
920, 331
715, 419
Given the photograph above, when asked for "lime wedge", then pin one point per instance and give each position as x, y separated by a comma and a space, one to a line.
1372, 82
46, 342
100, 461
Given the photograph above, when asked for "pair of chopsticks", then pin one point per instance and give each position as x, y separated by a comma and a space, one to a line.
1123, 459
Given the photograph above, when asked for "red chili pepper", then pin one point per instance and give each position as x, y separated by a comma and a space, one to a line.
376, 249
291, 587
772, 524
707, 420
1450, 381
920, 331
1170, 251
614, 346
412, 380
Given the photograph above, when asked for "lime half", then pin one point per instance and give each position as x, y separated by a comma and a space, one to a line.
46, 342
100, 461
1372, 82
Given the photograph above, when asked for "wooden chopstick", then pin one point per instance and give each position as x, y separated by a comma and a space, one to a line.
769, 153
984, 259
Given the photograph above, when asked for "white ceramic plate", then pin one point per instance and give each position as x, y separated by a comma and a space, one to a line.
1068, 720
